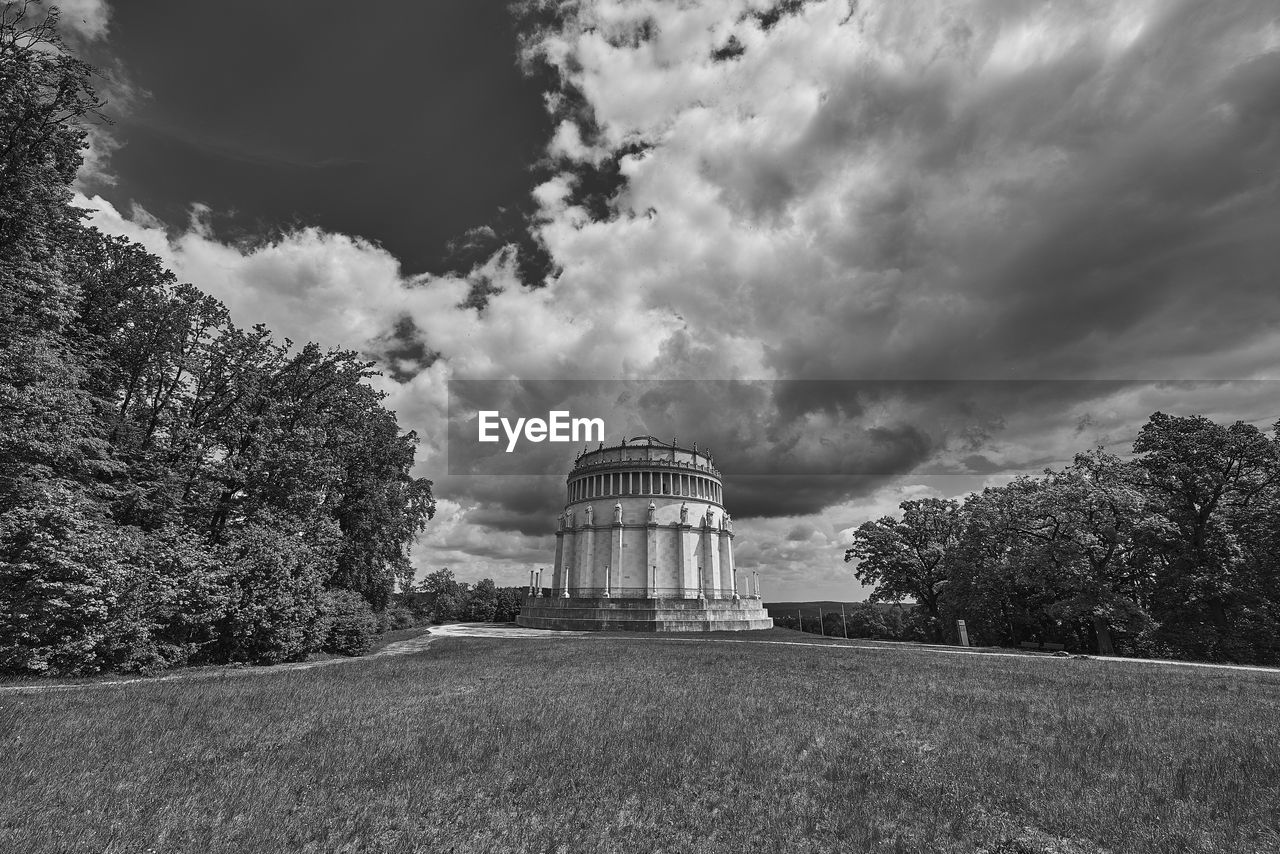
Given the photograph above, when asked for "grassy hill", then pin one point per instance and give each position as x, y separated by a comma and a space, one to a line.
624, 744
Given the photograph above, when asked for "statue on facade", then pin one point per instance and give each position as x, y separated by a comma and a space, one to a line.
684, 514
568, 519
709, 521
617, 513
590, 511
728, 522
653, 513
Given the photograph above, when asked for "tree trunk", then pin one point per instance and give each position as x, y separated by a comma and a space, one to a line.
1104, 636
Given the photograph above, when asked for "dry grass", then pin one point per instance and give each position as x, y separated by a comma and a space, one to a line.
621, 744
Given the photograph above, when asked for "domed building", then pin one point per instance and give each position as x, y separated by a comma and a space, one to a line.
644, 544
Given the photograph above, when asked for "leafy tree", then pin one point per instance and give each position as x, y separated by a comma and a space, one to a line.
909, 557
444, 596
350, 624
48, 430
864, 620
1215, 486
218, 479
508, 604
79, 595
1053, 556
277, 578
482, 604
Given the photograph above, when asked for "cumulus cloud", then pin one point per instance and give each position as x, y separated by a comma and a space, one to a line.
941, 190
1054, 194
88, 19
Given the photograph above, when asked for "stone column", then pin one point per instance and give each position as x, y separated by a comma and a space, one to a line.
560, 571
710, 547
651, 559
682, 563
560, 547
586, 560
727, 568
615, 552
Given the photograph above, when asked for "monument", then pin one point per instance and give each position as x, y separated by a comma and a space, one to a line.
644, 544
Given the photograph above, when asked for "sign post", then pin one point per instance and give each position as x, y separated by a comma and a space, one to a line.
964, 633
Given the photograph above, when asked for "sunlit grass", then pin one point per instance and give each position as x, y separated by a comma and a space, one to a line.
625, 744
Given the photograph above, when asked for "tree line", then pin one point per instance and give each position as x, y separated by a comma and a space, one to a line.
1172, 553
440, 598
861, 620
174, 488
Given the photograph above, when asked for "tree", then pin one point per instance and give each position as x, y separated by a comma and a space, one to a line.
172, 487
1215, 486
349, 623
444, 595
482, 605
1089, 520
863, 620
1053, 556
909, 557
508, 604
48, 430
276, 612
79, 594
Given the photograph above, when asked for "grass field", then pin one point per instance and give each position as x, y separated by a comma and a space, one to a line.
633, 744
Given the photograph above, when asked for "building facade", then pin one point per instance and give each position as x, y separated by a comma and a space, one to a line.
644, 543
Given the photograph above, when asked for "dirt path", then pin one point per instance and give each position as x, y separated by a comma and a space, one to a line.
404, 647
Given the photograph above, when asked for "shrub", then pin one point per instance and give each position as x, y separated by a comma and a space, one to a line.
79, 595
276, 579
350, 622
396, 618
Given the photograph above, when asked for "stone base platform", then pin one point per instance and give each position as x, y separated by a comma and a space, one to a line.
598, 614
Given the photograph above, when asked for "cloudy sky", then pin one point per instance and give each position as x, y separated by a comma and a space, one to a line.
888, 249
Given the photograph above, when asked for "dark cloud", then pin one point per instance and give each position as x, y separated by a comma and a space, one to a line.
800, 533
770, 16
796, 448
404, 352
407, 127
775, 496
1132, 238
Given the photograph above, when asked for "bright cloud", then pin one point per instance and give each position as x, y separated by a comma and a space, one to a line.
86, 18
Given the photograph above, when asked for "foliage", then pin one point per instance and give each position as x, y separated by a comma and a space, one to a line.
349, 622
508, 603
395, 618
173, 488
482, 603
439, 597
277, 578
1174, 553
79, 595
908, 557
